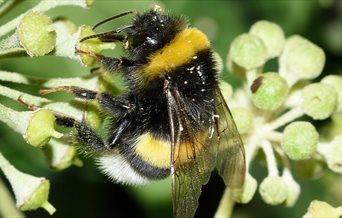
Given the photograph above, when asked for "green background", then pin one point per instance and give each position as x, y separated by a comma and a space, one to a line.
84, 192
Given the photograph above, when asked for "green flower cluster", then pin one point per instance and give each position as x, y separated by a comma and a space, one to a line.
268, 107
35, 34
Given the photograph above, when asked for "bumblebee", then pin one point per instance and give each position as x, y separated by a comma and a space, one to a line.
172, 120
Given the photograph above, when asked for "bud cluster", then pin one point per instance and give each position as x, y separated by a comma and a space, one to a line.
268, 108
33, 34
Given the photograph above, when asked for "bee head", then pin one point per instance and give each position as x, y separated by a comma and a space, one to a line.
152, 30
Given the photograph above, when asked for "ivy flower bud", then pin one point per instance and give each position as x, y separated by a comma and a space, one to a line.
37, 127
299, 140
248, 51
41, 128
93, 45
273, 190
60, 155
246, 193
319, 100
30, 192
319, 209
243, 118
300, 59
336, 82
36, 33
269, 91
271, 34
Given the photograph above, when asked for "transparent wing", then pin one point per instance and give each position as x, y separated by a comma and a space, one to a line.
196, 151
230, 160
192, 160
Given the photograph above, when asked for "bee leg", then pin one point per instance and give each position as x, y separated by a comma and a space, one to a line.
95, 70
115, 64
120, 129
107, 101
75, 91
114, 105
85, 135
28, 105
109, 63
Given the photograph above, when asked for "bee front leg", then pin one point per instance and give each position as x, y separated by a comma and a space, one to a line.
115, 64
106, 101
109, 63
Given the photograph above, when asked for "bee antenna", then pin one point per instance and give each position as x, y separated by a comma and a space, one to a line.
113, 18
95, 36
109, 33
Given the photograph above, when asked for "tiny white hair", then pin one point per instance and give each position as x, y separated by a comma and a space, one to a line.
116, 167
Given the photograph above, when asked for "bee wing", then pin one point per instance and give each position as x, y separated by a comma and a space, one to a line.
194, 154
230, 160
192, 160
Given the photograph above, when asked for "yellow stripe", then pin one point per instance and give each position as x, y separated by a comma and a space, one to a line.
158, 152
179, 51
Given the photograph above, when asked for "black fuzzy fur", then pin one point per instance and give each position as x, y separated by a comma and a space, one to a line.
195, 81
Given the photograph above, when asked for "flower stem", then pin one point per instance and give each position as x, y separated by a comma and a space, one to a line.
251, 75
227, 202
284, 158
48, 207
251, 147
274, 136
287, 173
287, 117
15, 95
10, 46
20, 78
7, 206
7, 6
5, 166
89, 81
12, 119
270, 158
226, 205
